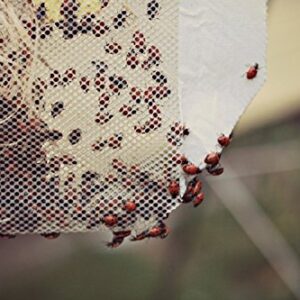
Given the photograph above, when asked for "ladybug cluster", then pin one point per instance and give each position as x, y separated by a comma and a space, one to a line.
147, 56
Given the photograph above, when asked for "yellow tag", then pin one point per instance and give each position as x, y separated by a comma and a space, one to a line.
53, 7
88, 6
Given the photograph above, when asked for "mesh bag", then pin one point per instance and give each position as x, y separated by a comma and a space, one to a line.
90, 122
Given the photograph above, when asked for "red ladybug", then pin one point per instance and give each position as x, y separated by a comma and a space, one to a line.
140, 237
187, 197
115, 243
112, 48
130, 206
174, 189
118, 238
212, 159
184, 160
104, 3
165, 233
160, 230
186, 131
110, 220
215, 170
198, 199
155, 231
139, 41
252, 71
122, 234
192, 190
191, 169
224, 140
153, 8
197, 187
85, 84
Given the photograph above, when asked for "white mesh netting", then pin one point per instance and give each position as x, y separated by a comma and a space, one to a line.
89, 121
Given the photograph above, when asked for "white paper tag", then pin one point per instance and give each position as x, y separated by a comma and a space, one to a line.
218, 42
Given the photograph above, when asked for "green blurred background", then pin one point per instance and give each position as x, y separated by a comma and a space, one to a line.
243, 243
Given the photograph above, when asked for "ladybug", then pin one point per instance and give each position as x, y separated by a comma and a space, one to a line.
122, 234
86, 23
139, 41
252, 71
198, 199
153, 9
51, 236
187, 198
212, 159
115, 243
102, 119
136, 95
39, 87
132, 59
69, 76
99, 82
188, 195
104, 100
100, 66
197, 187
100, 28
54, 135
159, 78
224, 140
117, 83
85, 84
174, 189
139, 237
215, 170
186, 131
128, 111
120, 20
154, 58
155, 231
112, 48
160, 230
191, 169
41, 11
55, 78
75, 136
183, 160
130, 206
165, 233
67, 160
104, 3
115, 141
110, 220
193, 190
57, 109
45, 31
